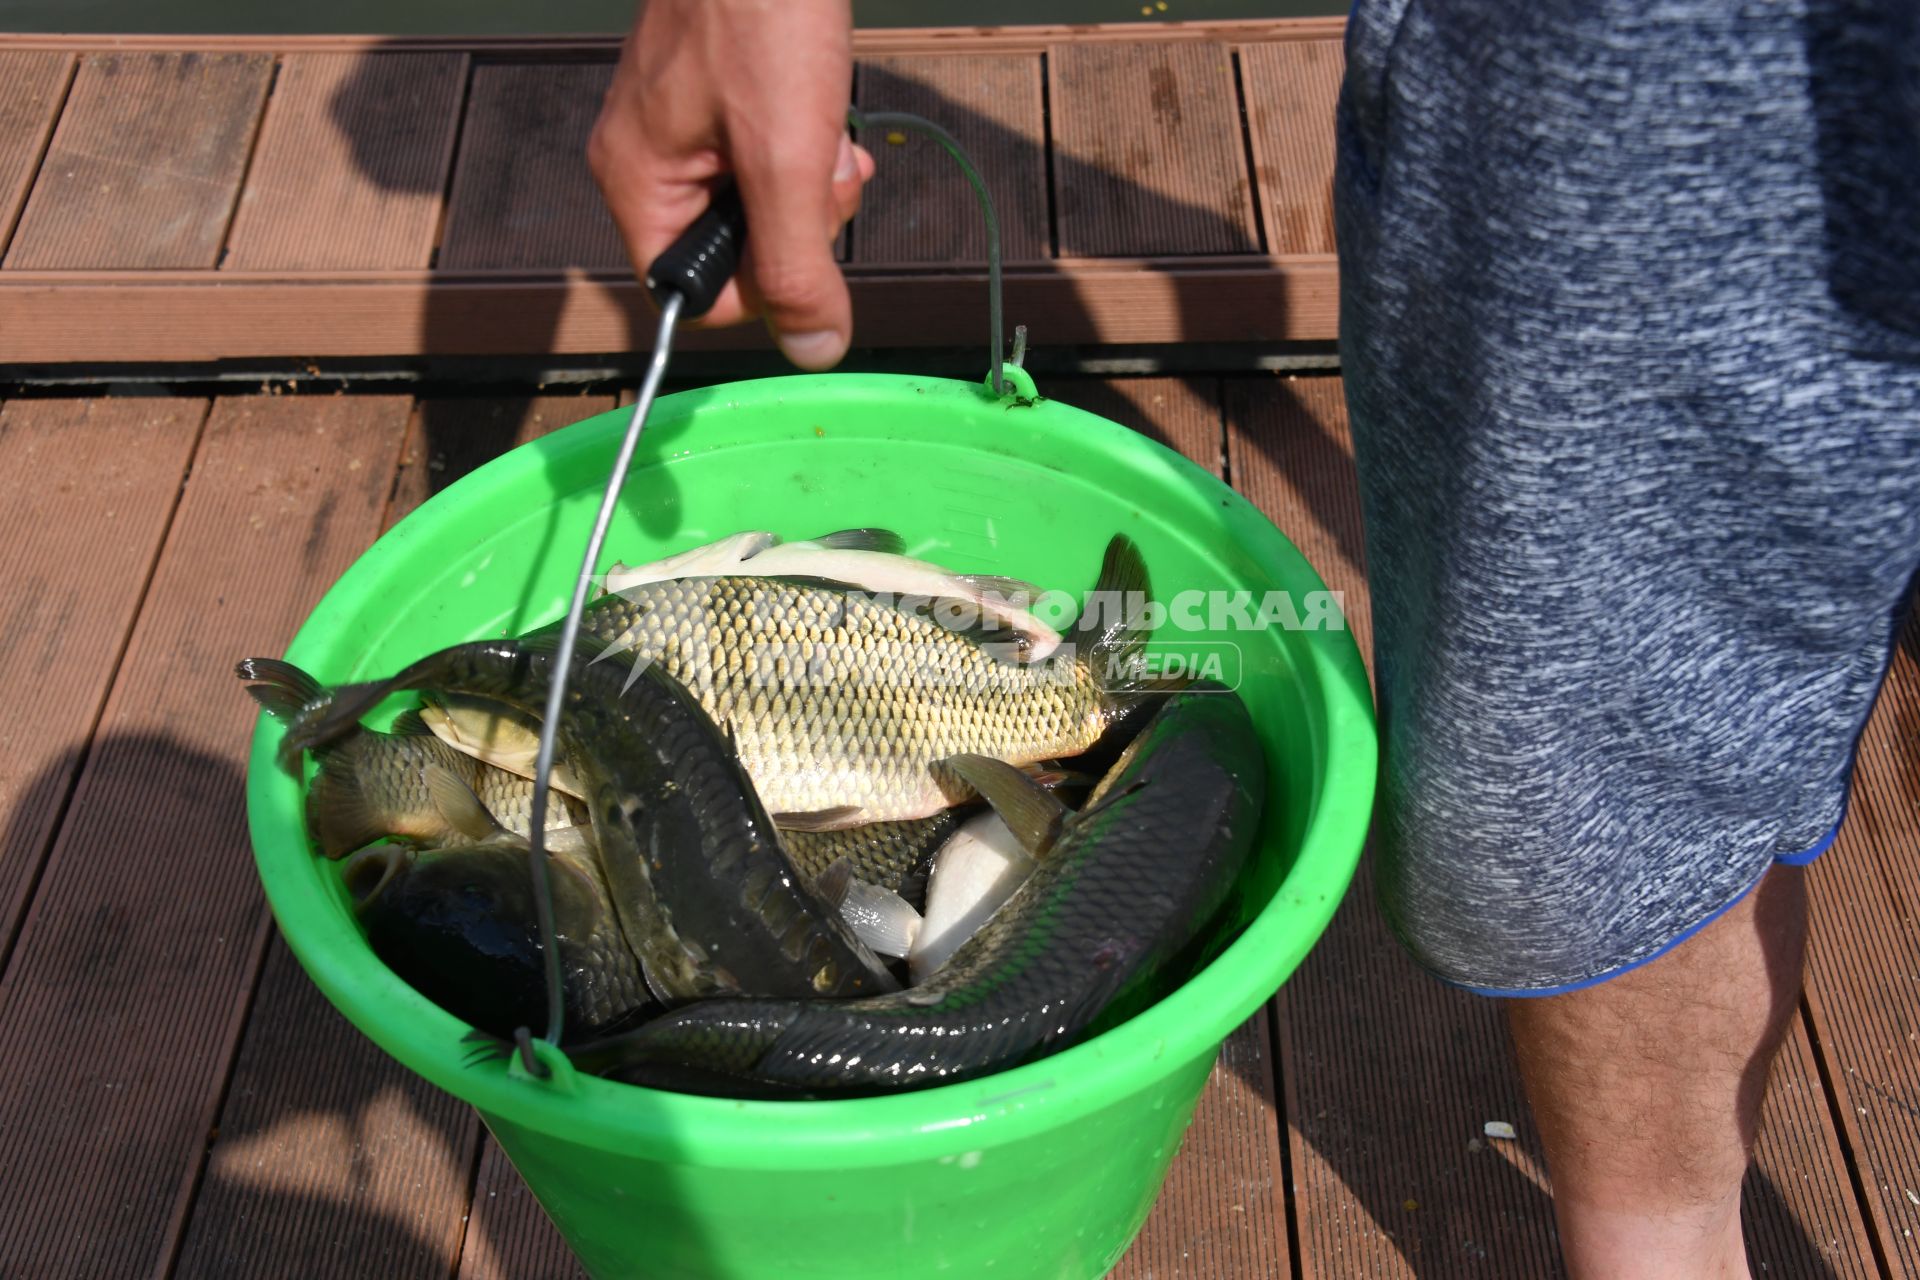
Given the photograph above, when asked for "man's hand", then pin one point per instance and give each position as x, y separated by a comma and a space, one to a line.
758, 88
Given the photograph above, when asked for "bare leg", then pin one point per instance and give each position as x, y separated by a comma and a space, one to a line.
1647, 1091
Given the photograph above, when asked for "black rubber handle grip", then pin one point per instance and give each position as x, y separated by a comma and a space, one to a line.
699, 264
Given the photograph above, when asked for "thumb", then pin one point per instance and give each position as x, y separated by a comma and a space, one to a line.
789, 272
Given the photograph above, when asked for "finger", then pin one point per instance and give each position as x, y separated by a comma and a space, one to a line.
850, 174
789, 271
654, 200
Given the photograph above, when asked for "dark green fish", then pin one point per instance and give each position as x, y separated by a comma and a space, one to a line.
459, 926
705, 893
1109, 921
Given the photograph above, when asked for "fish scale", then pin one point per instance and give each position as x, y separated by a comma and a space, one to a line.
836, 700
893, 855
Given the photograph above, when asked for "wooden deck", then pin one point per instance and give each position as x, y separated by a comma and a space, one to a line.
317, 197
176, 1098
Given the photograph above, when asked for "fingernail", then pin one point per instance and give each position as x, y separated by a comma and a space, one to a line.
846, 168
820, 350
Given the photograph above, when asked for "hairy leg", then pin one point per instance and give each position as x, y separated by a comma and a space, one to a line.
1647, 1091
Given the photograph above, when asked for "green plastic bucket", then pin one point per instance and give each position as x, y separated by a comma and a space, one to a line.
1047, 1170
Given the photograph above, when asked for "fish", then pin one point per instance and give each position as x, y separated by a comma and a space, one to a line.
1117, 913
460, 926
891, 855
973, 874
405, 784
870, 560
703, 889
494, 733
843, 708
879, 917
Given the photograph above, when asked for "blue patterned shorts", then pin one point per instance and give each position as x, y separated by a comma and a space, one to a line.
1630, 331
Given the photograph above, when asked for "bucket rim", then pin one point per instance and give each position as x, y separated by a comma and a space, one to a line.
989, 1111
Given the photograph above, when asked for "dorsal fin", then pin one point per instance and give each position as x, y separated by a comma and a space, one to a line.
885, 541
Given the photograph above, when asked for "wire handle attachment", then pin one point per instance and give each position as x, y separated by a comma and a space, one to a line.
907, 120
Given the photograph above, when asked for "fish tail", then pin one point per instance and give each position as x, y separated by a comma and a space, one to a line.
1116, 619
283, 689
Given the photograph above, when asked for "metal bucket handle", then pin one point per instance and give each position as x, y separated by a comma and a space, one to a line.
695, 267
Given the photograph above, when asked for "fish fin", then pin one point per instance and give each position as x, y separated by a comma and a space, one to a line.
1054, 776
885, 922
1115, 651
1009, 588
483, 1046
458, 805
371, 870
284, 692
573, 839
831, 885
342, 817
884, 541
281, 704
408, 724
840, 815
284, 676
1033, 815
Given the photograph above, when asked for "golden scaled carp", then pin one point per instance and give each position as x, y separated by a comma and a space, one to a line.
842, 704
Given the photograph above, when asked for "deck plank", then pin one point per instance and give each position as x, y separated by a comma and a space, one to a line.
125, 996
1289, 452
1147, 154
1798, 1208
919, 207
1863, 979
145, 163
1291, 88
87, 488
522, 194
328, 1151
352, 161
510, 1235
32, 87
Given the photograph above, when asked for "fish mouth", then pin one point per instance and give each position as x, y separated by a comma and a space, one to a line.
369, 872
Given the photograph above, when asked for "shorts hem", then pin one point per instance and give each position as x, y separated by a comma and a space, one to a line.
1799, 859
